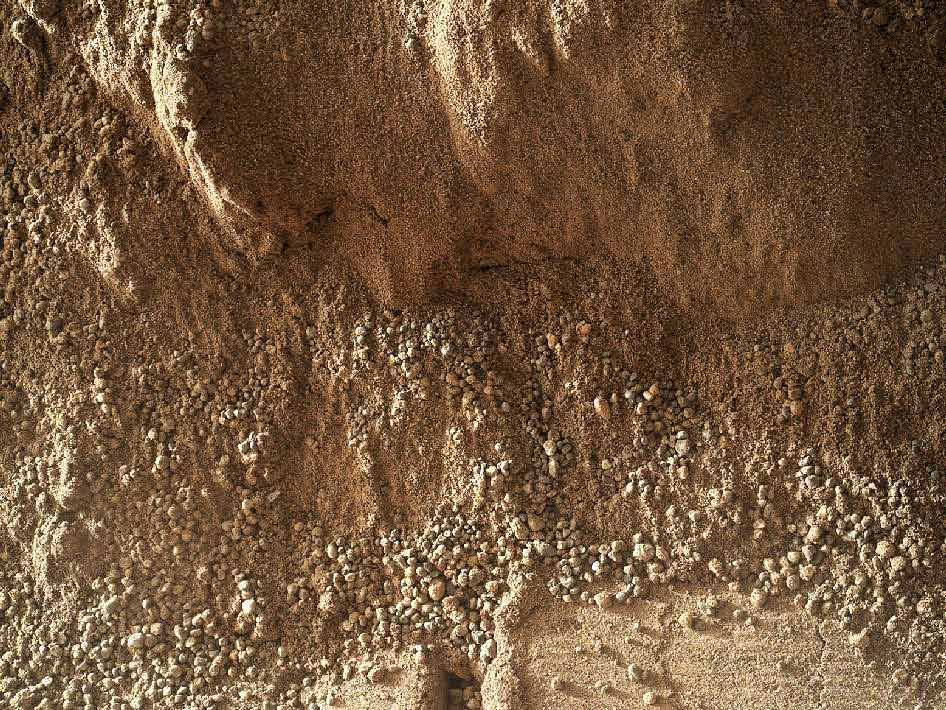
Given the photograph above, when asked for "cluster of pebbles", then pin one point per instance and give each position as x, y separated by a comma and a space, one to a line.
167, 540
189, 587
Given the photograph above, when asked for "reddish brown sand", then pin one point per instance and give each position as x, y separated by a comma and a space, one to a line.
749, 154
463, 354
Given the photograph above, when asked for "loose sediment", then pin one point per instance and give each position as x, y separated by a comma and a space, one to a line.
447, 356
